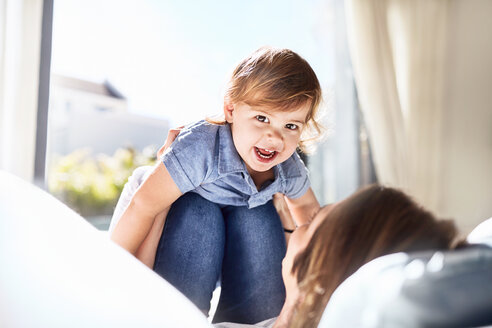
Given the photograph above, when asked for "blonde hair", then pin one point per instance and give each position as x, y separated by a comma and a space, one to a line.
373, 222
278, 79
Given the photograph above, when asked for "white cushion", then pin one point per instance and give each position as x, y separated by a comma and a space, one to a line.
424, 289
356, 302
482, 234
56, 270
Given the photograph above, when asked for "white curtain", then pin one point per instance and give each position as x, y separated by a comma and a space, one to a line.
398, 54
20, 40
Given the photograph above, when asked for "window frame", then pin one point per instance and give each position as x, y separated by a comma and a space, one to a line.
43, 95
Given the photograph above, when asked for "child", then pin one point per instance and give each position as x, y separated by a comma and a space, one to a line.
220, 178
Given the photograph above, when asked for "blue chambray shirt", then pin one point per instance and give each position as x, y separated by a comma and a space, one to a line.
203, 159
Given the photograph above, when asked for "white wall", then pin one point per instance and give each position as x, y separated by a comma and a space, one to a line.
467, 156
104, 131
83, 119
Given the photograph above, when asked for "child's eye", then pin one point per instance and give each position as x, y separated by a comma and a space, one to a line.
291, 126
262, 118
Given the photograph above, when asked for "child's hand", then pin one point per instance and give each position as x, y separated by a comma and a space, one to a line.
171, 135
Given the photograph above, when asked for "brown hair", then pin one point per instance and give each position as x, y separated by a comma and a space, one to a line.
375, 221
278, 79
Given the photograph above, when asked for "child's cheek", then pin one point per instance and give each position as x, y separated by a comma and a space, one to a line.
292, 142
258, 129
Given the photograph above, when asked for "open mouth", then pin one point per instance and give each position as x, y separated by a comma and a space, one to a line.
265, 154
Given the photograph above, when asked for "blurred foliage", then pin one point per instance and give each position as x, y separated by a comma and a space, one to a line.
91, 185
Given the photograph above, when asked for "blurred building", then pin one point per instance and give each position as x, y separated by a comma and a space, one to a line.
85, 114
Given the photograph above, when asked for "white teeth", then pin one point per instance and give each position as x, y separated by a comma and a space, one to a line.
264, 149
272, 152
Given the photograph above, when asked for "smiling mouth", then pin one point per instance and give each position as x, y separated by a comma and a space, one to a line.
265, 153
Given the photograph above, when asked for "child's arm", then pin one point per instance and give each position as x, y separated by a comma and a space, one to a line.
152, 198
147, 250
304, 208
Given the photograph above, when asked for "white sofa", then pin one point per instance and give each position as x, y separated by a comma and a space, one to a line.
56, 270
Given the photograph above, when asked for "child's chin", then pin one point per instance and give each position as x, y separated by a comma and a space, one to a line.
263, 168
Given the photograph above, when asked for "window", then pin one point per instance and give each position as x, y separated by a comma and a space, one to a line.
123, 73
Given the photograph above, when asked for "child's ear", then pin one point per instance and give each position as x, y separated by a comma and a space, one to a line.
228, 109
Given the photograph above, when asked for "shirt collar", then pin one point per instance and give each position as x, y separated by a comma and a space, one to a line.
229, 159
289, 169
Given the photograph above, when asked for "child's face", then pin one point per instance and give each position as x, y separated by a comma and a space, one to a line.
265, 137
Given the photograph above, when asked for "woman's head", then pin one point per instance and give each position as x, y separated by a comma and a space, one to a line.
278, 80
374, 221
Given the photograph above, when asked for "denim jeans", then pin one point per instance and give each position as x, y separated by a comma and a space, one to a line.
203, 241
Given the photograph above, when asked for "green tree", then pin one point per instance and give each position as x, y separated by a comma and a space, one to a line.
91, 184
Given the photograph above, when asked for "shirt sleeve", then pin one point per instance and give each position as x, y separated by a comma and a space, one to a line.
134, 181
297, 182
190, 158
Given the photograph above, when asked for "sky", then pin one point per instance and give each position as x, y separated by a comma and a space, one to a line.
171, 59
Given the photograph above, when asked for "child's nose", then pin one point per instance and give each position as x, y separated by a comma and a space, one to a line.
275, 140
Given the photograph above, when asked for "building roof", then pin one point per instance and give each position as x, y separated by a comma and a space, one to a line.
104, 88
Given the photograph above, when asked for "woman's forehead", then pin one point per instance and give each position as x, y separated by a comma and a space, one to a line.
304, 233
321, 216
